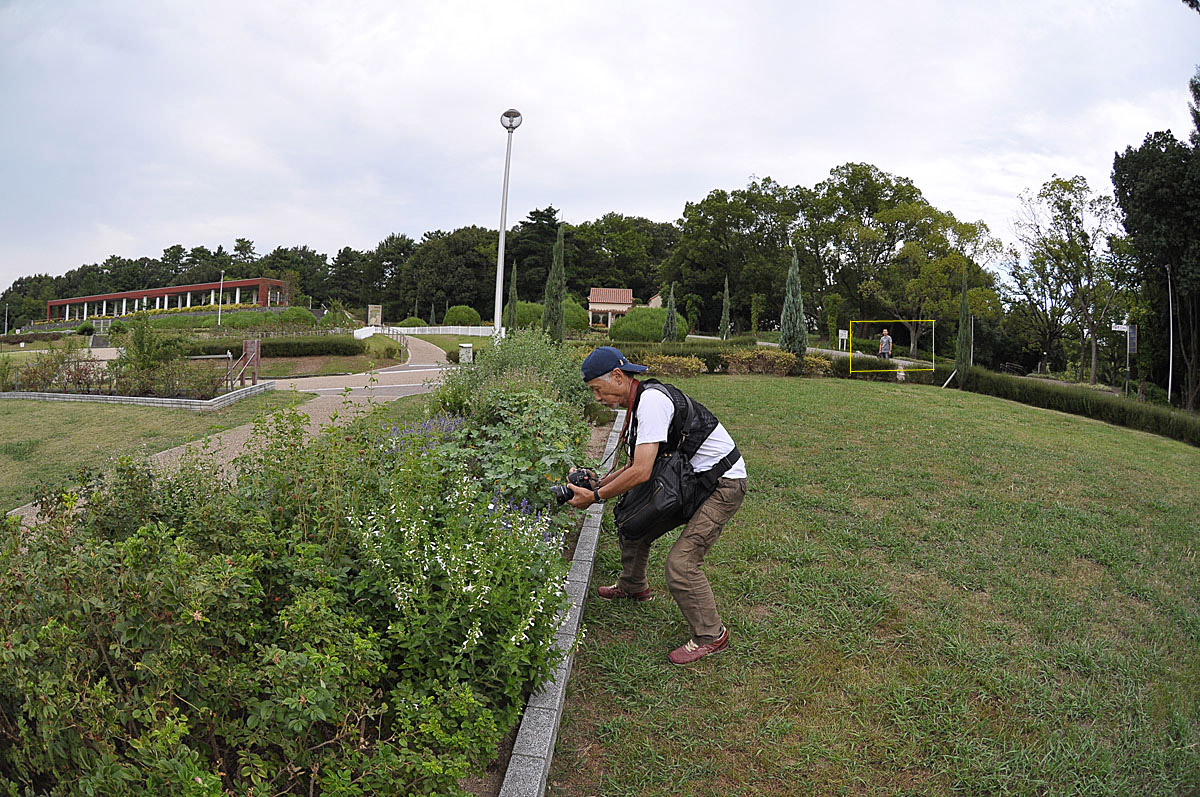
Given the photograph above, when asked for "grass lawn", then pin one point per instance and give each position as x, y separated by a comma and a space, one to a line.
279, 367
449, 343
47, 441
929, 592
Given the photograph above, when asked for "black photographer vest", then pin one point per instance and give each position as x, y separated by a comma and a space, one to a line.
700, 422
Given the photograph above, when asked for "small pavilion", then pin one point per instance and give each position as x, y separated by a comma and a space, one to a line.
608, 302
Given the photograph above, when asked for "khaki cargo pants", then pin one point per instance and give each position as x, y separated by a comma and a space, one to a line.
687, 582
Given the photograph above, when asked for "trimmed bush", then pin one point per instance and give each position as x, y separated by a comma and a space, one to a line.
86, 328
816, 365
711, 352
301, 316
306, 346
529, 315
760, 360
460, 315
117, 327
574, 316
667, 365
30, 337
645, 324
412, 321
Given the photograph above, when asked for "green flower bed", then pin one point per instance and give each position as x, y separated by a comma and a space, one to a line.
303, 346
363, 614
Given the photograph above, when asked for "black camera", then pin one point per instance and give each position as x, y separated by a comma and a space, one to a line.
583, 477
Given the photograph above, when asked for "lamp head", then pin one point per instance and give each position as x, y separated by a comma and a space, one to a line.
511, 119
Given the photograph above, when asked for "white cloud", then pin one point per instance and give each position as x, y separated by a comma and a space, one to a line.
333, 124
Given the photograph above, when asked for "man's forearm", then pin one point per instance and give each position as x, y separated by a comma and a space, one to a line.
620, 482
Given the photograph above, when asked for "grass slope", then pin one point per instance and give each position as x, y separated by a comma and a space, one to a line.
929, 592
48, 441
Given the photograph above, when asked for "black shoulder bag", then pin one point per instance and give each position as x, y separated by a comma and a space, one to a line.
674, 491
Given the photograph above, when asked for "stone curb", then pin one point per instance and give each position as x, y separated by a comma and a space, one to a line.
179, 404
529, 767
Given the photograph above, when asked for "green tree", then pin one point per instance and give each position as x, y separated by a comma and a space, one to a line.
792, 334
670, 331
758, 303
556, 288
347, 275
1158, 188
737, 235
510, 311
833, 303
725, 312
962, 354
619, 251
1069, 229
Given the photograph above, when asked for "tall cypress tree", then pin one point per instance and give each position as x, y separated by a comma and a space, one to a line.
556, 289
725, 311
669, 329
510, 311
793, 336
962, 357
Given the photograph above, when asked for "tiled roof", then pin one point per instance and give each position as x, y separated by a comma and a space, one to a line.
611, 295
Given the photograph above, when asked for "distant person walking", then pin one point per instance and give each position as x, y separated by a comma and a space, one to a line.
885, 346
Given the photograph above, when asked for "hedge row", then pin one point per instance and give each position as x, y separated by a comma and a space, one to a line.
307, 346
712, 352
1075, 400
30, 337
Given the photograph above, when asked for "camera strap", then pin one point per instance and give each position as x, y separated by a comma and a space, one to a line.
633, 388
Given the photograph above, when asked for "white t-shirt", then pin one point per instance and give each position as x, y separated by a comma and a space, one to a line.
654, 413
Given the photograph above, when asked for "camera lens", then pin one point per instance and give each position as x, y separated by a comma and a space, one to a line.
561, 492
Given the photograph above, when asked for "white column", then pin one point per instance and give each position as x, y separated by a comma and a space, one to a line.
212, 296
123, 305
85, 304
237, 295
189, 299
104, 309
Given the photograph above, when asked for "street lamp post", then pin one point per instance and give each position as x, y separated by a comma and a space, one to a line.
510, 120
220, 297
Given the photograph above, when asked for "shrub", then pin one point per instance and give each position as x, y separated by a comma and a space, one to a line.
460, 315
760, 360
574, 316
646, 324
305, 346
86, 328
529, 315
527, 355
412, 321
711, 352
319, 627
667, 365
816, 365
300, 316
117, 328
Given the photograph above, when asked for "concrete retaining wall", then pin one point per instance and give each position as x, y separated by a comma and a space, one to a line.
529, 766
141, 401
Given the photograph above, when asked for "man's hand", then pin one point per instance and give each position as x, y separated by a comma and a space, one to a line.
582, 498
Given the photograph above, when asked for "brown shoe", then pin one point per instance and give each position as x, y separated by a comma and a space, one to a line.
615, 591
691, 652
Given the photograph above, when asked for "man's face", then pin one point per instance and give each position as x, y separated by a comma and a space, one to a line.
610, 389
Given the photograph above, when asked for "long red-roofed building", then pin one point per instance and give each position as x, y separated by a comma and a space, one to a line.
261, 291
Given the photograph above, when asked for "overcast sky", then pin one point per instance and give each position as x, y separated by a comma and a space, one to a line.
131, 126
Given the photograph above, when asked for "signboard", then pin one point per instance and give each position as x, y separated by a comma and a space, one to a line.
1131, 338
374, 315
843, 334
1120, 328
843, 339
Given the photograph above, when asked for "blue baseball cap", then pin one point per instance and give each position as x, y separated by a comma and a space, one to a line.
603, 360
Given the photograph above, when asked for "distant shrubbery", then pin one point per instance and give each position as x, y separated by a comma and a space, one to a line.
645, 324
412, 321
86, 328
30, 337
306, 346
461, 315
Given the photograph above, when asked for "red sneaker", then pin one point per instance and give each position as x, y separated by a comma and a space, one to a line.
691, 652
615, 591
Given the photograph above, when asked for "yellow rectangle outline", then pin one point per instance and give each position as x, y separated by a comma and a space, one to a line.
933, 351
